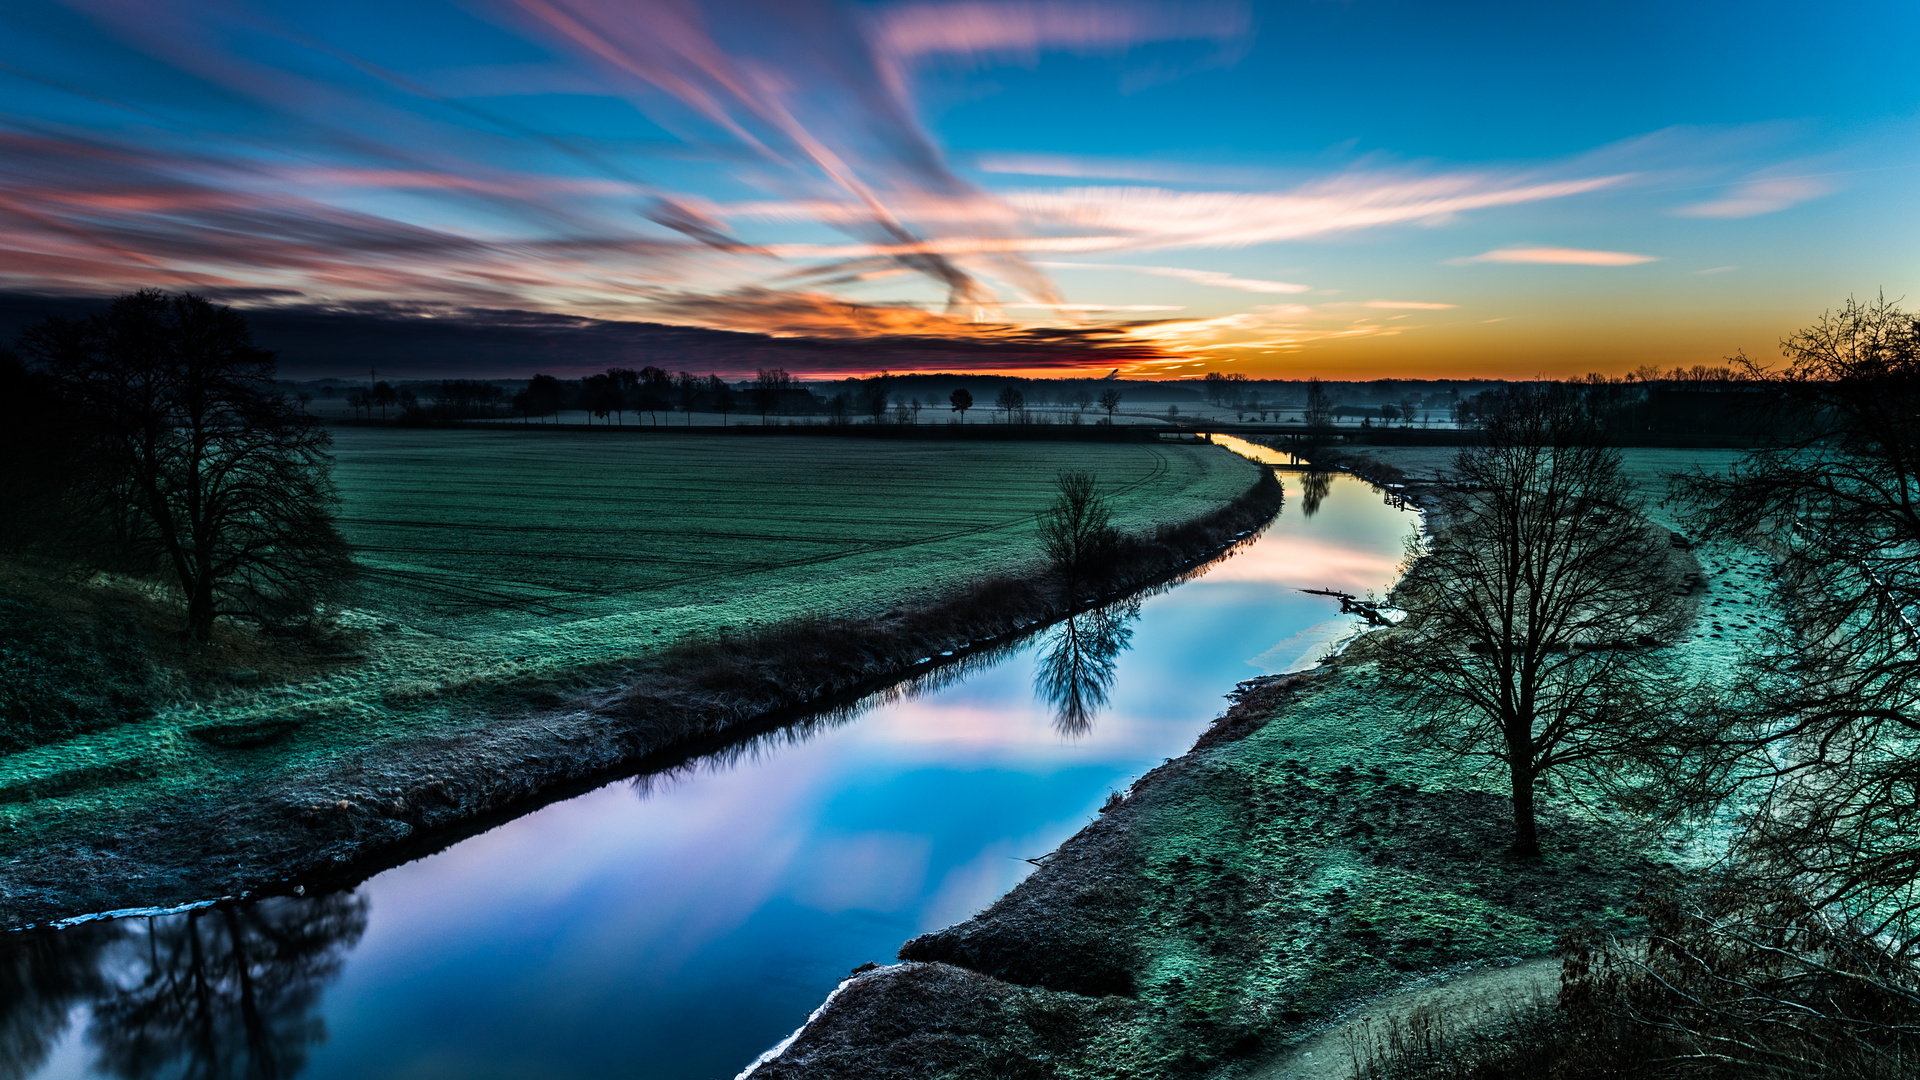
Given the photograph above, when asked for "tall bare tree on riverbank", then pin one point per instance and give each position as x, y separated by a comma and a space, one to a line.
227, 483
1531, 615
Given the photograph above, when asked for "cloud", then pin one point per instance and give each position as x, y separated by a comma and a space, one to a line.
1152, 217
1556, 256
1412, 305
1756, 197
1715, 270
1204, 277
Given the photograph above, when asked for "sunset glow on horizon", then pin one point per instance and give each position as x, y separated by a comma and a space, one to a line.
1355, 190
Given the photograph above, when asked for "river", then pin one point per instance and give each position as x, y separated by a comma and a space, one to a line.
676, 926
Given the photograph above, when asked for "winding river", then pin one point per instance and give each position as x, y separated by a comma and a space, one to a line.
677, 926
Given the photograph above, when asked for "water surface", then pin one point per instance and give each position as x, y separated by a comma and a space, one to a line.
677, 927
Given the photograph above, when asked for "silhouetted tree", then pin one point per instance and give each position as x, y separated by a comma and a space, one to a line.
656, 392
599, 396
230, 483
961, 401
722, 395
1532, 618
1077, 531
767, 388
1010, 401
1318, 414
626, 389
1110, 400
384, 395
687, 386
542, 397
873, 395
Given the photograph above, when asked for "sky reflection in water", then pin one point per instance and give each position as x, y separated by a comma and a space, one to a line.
677, 929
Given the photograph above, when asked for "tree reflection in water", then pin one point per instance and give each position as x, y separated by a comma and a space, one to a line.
1313, 488
1076, 665
227, 993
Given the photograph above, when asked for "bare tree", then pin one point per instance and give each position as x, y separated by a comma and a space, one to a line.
722, 395
1110, 400
1010, 401
1078, 531
688, 387
656, 392
231, 484
1823, 718
1319, 412
873, 395
767, 388
1535, 615
961, 401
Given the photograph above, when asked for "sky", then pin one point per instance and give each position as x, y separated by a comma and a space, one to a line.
1356, 189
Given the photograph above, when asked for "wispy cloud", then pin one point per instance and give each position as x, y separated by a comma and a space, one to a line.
1756, 197
1216, 278
1555, 256
1408, 305
1160, 218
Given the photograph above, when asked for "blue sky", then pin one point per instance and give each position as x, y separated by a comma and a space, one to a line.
1353, 189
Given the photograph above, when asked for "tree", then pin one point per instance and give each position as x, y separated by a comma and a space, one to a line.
656, 392
1319, 413
542, 397
1010, 401
599, 396
1823, 718
722, 394
961, 402
1077, 531
873, 395
1110, 400
1083, 397
229, 483
767, 388
687, 386
626, 387
1533, 618
384, 395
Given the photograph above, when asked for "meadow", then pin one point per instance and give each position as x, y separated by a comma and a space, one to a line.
500, 568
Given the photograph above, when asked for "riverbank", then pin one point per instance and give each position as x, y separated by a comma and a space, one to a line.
343, 818
1303, 859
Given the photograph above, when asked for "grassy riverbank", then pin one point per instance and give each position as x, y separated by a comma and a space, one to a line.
1306, 856
485, 677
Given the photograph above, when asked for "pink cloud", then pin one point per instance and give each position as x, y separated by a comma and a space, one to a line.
1556, 256
1757, 197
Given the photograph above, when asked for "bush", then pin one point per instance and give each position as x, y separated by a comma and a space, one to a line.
58, 680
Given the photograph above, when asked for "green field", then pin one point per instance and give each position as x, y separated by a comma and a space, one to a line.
501, 563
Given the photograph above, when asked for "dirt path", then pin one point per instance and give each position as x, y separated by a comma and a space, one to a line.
1468, 999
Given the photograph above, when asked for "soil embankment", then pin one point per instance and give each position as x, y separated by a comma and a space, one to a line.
367, 809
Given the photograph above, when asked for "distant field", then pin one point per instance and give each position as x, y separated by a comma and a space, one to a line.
495, 558
468, 533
